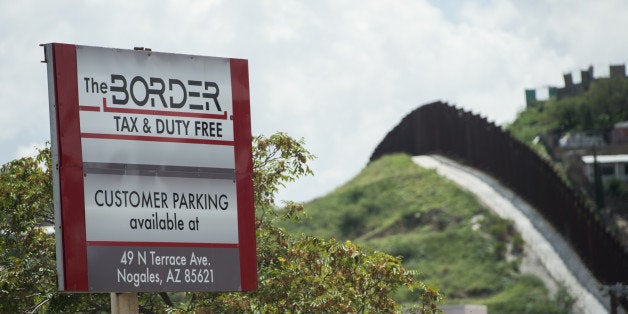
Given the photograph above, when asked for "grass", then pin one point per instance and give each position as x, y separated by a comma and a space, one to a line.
439, 230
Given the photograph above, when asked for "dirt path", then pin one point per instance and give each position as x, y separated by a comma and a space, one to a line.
548, 255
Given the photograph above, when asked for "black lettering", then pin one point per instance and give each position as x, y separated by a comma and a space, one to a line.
117, 118
183, 202
213, 201
159, 92
147, 200
125, 197
133, 124
171, 84
96, 198
219, 129
143, 101
118, 199
224, 203
119, 89
213, 95
94, 85
96, 88
195, 94
164, 200
109, 200
199, 204
137, 199
191, 200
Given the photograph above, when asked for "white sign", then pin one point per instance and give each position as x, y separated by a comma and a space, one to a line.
145, 209
153, 160
148, 112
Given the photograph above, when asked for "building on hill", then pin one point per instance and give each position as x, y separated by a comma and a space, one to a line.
618, 71
619, 134
530, 97
571, 88
580, 140
611, 166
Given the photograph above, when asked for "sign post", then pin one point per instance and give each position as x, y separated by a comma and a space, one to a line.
124, 303
152, 171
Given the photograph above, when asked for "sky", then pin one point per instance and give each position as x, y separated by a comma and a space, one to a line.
338, 73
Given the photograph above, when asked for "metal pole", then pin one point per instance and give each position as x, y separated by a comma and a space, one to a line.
124, 303
614, 303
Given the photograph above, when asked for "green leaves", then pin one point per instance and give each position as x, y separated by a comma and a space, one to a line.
297, 273
436, 228
277, 160
27, 257
310, 274
597, 109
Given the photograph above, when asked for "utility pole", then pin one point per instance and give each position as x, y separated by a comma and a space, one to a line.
598, 185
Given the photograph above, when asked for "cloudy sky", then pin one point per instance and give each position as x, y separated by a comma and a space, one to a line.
339, 74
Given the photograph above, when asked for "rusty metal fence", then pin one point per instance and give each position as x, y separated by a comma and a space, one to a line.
471, 139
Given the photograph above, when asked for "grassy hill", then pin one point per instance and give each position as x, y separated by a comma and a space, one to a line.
457, 245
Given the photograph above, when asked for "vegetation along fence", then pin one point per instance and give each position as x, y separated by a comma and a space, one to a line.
471, 139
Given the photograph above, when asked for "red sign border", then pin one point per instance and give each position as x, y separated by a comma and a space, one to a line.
70, 167
70, 170
244, 172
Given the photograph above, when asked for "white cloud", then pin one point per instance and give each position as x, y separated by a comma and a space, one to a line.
339, 73
30, 150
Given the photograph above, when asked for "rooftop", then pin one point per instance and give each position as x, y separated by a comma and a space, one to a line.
605, 159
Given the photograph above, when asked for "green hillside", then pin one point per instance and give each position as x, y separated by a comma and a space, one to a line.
457, 245
595, 110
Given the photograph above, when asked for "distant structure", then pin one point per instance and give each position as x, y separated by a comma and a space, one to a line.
464, 309
618, 71
573, 89
580, 140
619, 134
611, 166
530, 96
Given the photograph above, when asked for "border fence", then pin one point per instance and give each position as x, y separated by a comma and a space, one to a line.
471, 139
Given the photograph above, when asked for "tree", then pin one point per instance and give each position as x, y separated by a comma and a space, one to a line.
297, 273
300, 273
27, 259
